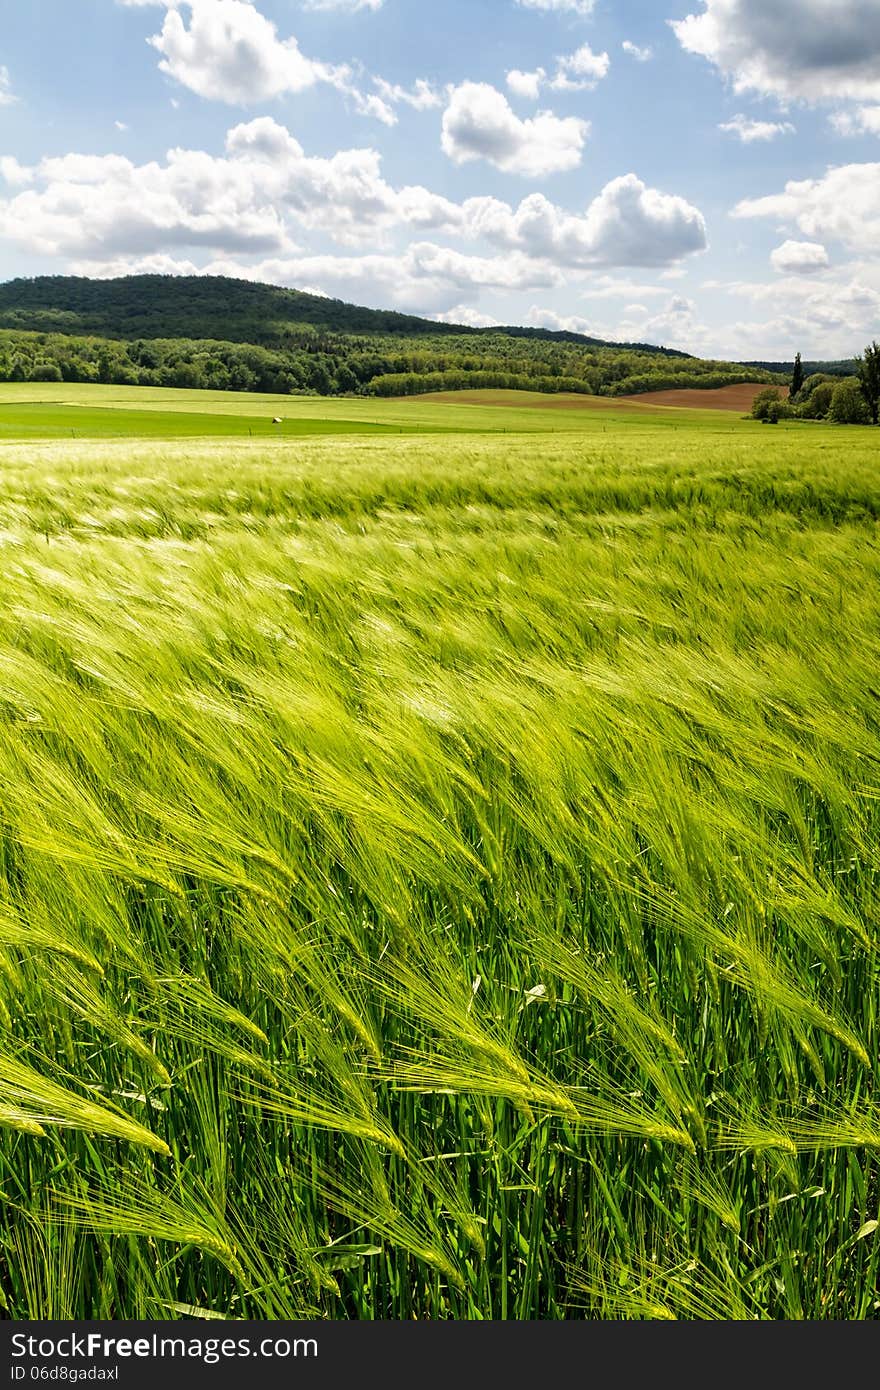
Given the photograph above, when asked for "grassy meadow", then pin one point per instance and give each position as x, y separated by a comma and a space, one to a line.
438, 862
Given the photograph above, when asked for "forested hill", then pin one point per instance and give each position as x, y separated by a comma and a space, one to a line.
233, 335
236, 311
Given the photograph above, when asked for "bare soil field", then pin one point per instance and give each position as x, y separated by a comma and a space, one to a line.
738, 398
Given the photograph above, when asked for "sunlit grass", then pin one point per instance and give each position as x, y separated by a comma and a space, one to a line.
438, 877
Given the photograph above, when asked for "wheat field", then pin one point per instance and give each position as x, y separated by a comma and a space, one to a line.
438, 876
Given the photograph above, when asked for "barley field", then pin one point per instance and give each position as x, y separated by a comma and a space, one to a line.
438, 871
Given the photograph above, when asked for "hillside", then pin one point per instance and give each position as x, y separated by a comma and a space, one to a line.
221, 334
237, 311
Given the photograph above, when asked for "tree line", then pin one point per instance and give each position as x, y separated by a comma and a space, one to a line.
850, 400
318, 362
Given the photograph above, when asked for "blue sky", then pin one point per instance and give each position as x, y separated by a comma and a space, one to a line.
699, 173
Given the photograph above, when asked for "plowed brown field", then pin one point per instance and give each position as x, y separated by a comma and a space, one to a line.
738, 398
725, 398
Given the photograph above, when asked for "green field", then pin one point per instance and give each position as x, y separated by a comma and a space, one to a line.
33, 411
438, 871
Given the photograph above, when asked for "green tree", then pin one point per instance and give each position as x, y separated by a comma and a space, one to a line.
818, 401
848, 406
797, 376
868, 367
763, 401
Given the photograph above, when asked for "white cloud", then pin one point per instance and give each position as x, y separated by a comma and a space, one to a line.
478, 123
263, 195
810, 50
371, 104
526, 84
825, 318
844, 205
425, 278
581, 7
631, 224
121, 126
136, 265
626, 224
863, 121
80, 205
7, 97
15, 174
800, 258
750, 131
102, 206
641, 55
227, 50
676, 325
471, 318
559, 323
421, 96
575, 72
581, 70
231, 52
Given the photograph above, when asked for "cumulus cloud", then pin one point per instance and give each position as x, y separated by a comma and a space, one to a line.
641, 55
243, 201
227, 50
264, 195
843, 205
631, 224
231, 52
627, 224
138, 265
526, 84
800, 258
471, 318
478, 123
750, 131
426, 277
15, 174
810, 50
676, 324
538, 317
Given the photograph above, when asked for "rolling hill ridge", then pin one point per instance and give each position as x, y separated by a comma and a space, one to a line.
225, 334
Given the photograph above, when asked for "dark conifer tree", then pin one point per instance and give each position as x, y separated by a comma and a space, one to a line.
868, 367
